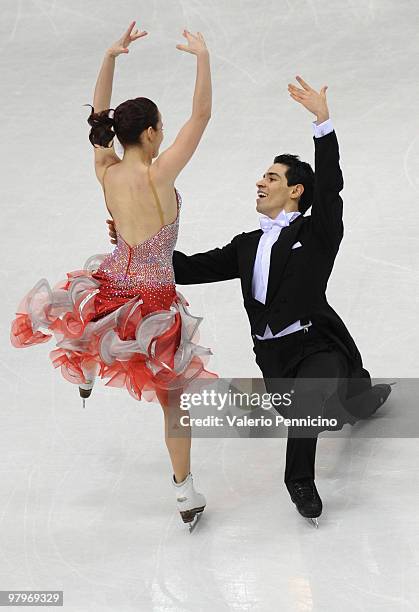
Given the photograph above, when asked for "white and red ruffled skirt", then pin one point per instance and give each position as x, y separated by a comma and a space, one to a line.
114, 335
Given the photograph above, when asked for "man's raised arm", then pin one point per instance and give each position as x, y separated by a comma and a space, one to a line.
327, 207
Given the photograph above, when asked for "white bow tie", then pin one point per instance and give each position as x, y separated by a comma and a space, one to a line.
266, 223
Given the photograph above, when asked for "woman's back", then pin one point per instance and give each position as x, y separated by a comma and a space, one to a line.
141, 263
139, 200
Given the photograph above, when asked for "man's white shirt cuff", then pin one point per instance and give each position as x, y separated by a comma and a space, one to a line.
323, 128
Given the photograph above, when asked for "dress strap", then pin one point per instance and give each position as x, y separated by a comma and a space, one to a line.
104, 190
156, 197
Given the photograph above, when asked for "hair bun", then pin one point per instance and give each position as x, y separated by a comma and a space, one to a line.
102, 124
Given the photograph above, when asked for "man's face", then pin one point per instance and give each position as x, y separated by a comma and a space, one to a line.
278, 195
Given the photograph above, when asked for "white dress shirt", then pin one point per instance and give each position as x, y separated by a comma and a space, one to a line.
263, 254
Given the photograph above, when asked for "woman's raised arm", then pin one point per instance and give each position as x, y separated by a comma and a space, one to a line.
104, 156
174, 158
103, 89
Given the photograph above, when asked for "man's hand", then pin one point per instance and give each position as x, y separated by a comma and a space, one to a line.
312, 100
111, 230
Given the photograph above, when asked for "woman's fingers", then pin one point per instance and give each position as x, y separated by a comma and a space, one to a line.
130, 27
190, 34
196, 42
192, 37
132, 34
187, 35
140, 35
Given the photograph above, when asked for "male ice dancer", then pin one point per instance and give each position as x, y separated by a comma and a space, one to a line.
284, 268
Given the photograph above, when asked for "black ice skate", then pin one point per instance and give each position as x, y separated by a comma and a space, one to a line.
306, 498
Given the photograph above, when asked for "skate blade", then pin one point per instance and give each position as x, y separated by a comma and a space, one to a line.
313, 521
194, 522
84, 394
191, 517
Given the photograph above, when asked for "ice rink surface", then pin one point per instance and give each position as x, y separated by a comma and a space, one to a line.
85, 499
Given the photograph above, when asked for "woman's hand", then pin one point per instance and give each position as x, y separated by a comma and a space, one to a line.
121, 45
196, 43
313, 101
111, 231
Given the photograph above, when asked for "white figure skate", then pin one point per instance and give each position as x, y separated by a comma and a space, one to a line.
190, 503
85, 389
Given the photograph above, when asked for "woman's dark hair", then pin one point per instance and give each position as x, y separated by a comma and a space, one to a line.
130, 119
298, 172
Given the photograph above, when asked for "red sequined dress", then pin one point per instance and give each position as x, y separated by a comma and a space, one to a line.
119, 318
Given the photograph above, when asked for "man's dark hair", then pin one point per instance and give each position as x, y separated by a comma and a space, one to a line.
298, 172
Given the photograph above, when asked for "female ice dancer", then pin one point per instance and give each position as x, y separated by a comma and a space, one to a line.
120, 316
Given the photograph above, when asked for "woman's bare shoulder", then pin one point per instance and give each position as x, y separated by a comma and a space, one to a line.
102, 170
121, 172
160, 177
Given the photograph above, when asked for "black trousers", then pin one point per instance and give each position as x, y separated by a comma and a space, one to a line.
303, 355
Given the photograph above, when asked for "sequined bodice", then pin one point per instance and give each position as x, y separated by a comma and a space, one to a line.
147, 263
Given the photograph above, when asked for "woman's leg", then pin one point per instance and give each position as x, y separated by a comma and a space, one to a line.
190, 503
177, 436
